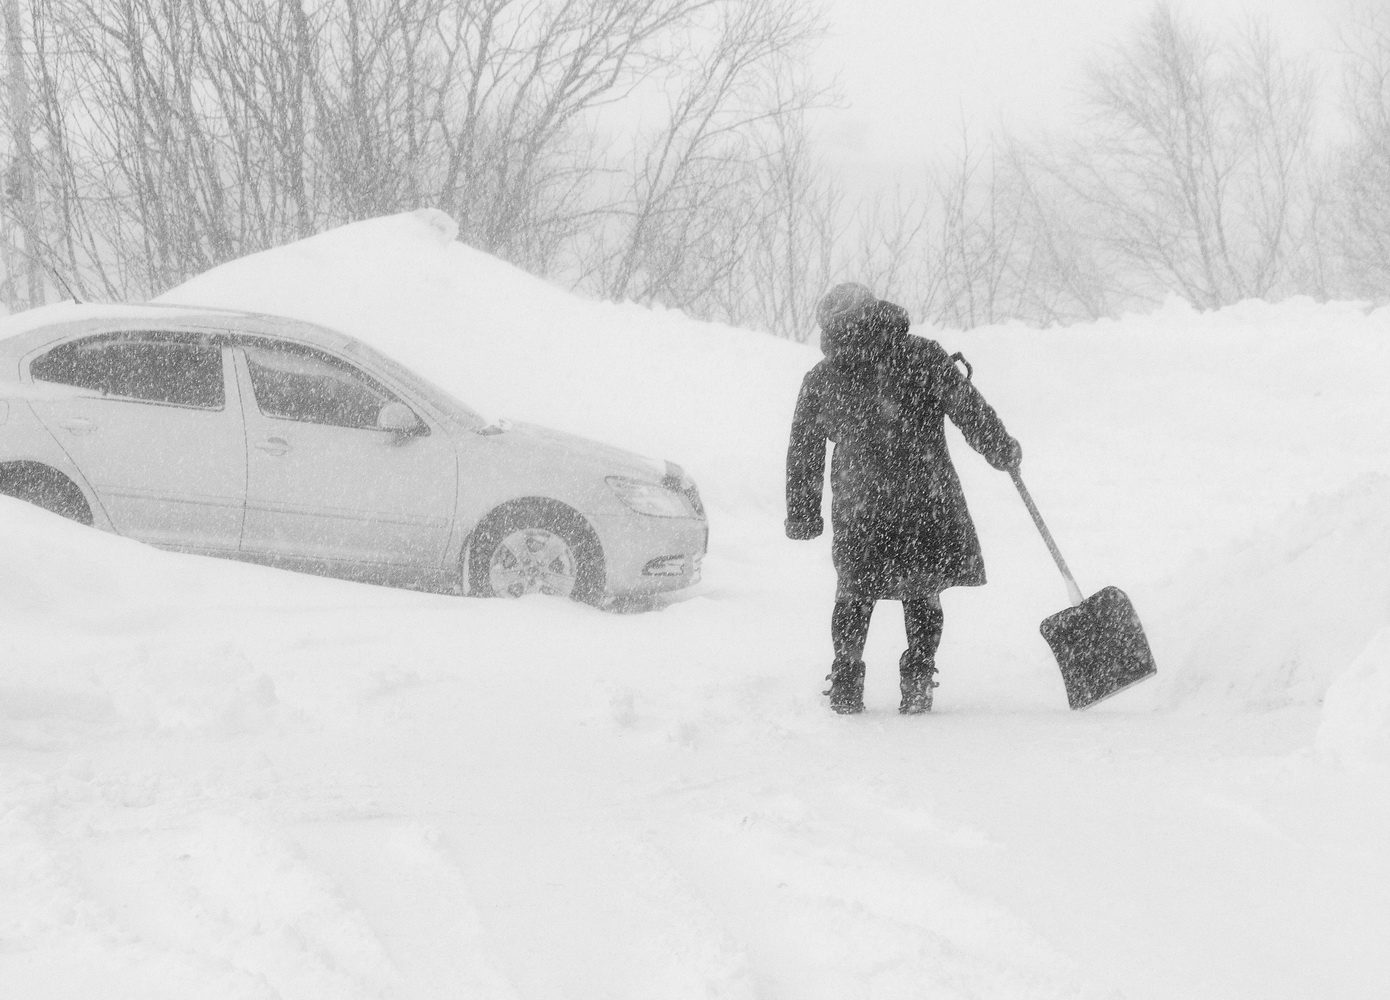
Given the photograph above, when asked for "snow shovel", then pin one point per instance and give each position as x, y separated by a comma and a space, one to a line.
1098, 641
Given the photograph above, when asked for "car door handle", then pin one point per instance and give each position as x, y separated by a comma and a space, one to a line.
274, 446
79, 425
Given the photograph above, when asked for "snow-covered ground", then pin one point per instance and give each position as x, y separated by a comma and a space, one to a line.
224, 781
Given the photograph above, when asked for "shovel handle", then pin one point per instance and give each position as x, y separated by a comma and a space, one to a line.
1073, 591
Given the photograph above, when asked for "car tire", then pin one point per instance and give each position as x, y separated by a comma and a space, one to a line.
536, 547
45, 487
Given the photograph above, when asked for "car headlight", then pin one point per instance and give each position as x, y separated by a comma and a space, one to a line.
649, 498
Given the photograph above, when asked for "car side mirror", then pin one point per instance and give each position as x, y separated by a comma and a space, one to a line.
398, 418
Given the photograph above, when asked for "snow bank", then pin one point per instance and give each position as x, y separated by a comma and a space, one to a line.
104, 636
1355, 729
1154, 444
1277, 617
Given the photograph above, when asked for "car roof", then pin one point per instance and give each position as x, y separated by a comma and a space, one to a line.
24, 332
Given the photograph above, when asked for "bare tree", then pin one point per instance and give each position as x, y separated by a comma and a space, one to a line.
1192, 160
1063, 274
794, 237
170, 135
977, 252
1363, 168
980, 240
889, 251
517, 156
175, 134
19, 175
683, 219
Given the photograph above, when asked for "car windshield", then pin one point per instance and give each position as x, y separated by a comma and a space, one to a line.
432, 393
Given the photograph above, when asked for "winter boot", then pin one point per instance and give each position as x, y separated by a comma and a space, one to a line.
846, 686
916, 681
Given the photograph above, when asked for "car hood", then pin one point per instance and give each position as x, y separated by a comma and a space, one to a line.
604, 458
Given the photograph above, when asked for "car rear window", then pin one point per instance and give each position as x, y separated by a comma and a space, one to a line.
153, 368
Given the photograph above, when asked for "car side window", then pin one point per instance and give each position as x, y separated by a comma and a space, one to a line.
170, 368
299, 383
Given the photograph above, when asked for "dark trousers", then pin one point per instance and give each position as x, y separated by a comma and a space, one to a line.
849, 630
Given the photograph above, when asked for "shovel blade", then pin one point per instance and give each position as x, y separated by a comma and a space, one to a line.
1100, 647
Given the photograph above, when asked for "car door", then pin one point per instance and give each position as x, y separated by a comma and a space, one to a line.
150, 424
325, 481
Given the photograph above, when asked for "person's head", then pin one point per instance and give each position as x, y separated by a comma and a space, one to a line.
844, 313
844, 304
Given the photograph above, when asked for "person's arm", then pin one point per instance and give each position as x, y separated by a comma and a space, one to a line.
978, 423
805, 467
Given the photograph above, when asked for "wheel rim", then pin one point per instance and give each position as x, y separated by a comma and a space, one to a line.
533, 561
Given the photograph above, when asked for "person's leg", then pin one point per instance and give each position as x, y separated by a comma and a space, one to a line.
917, 668
849, 627
849, 630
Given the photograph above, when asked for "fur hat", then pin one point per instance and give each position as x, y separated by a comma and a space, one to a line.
845, 300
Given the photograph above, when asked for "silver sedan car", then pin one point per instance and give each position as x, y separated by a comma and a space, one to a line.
277, 441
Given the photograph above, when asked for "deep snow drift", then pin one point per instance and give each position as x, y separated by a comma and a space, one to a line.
225, 781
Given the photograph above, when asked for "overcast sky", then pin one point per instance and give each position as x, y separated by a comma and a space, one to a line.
911, 71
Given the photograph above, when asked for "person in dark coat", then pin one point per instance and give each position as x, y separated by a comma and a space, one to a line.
901, 530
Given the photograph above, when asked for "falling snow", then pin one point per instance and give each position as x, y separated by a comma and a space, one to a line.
221, 780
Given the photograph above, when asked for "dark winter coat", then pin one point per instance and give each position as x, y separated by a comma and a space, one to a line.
901, 527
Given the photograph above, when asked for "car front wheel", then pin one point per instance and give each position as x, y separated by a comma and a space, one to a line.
536, 549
